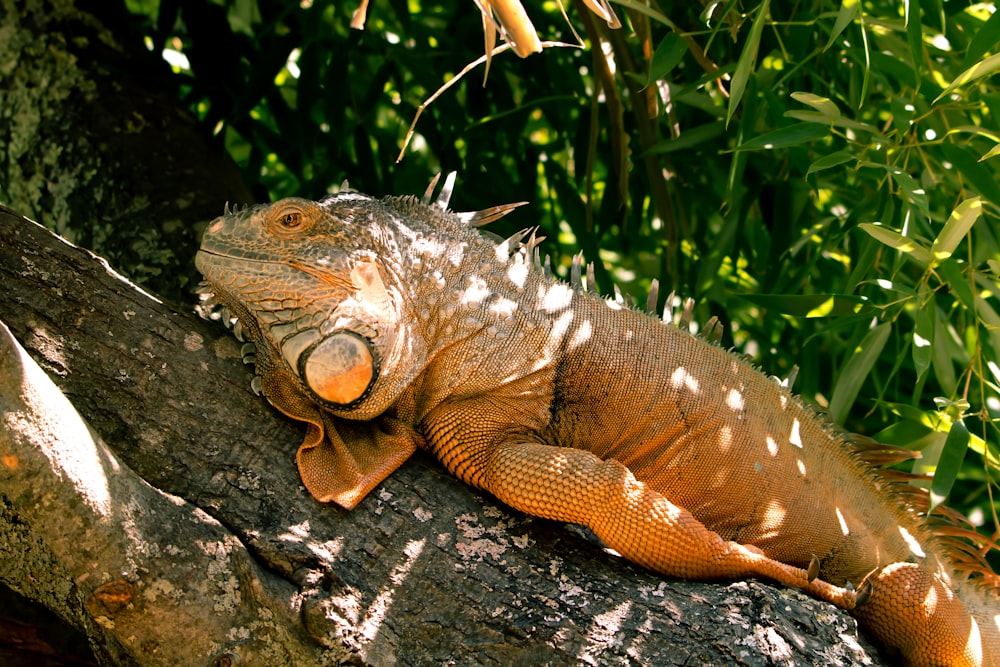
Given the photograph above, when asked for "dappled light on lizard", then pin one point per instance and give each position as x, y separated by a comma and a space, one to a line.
388, 325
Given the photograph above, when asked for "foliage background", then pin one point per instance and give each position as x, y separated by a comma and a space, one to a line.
821, 176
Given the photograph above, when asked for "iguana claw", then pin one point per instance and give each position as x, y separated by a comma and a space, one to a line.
864, 593
813, 571
248, 353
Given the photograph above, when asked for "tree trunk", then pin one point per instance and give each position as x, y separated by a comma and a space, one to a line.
181, 534
96, 147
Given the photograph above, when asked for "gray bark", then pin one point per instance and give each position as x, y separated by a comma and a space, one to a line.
94, 145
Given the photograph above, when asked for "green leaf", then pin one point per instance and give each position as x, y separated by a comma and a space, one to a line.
747, 62
644, 8
994, 369
793, 135
867, 78
888, 65
903, 433
894, 239
687, 139
985, 39
828, 161
993, 152
950, 462
958, 282
819, 103
666, 57
923, 331
848, 12
811, 305
983, 68
944, 368
990, 320
966, 163
956, 228
902, 112
915, 195
856, 370
838, 121
912, 413
914, 37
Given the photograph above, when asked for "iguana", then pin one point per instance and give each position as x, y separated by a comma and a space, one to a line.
393, 324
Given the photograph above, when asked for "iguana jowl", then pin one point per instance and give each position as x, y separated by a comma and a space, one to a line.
392, 324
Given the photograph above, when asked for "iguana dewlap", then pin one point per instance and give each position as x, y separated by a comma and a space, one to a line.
392, 324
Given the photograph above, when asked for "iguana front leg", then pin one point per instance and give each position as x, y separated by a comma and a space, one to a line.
641, 524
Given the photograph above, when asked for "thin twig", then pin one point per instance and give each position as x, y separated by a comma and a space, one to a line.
455, 79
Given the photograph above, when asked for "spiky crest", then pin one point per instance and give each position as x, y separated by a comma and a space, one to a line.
652, 297
429, 192
487, 215
575, 271
471, 218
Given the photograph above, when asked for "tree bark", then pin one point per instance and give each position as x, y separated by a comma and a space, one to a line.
189, 540
96, 147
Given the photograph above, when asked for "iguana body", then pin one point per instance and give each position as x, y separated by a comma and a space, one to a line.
390, 324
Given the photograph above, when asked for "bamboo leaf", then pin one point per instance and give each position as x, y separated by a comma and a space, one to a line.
949, 462
894, 239
966, 163
993, 152
821, 104
644, 8
915, 194
828, 161
856, 369
667, 56
985, 39
958, 282
687, 139
914, 37
944, 367
955, 229
983, 68
838, 121
848, 12
903, 433
975, 130
811, 305
867, 78
747, 62
923, 331
793, 135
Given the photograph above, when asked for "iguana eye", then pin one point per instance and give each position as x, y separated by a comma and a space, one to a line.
291, 216
291, 220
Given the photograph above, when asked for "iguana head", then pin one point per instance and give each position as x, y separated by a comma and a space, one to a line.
329, 293
304, 280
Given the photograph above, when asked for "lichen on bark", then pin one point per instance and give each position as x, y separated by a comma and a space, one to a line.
39, 79
95, 142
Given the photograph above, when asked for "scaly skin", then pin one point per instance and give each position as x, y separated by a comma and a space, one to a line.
388, 325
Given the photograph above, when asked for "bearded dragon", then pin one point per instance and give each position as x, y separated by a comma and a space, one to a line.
389, 325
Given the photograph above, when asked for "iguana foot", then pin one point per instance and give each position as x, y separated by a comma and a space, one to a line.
844, 598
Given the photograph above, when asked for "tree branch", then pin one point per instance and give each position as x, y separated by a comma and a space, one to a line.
137, 569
